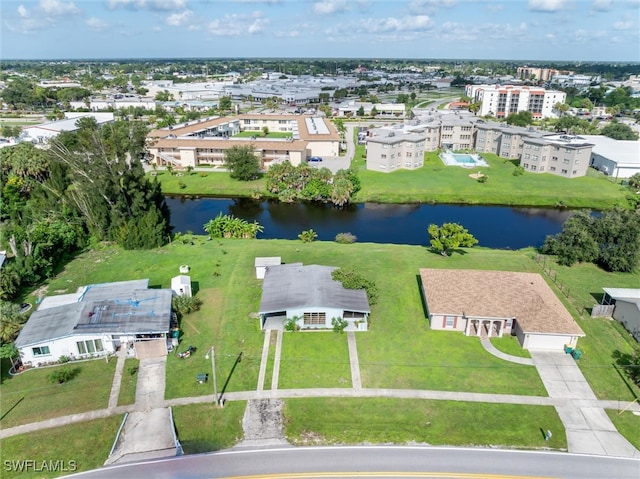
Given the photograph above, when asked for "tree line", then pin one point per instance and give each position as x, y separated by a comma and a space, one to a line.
87, 186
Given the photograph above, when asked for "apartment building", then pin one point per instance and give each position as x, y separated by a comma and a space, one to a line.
563, 155
390, 151
502, 100
204, 142
534, 73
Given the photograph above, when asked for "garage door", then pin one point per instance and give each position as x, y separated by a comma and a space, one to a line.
154, 348
546, 341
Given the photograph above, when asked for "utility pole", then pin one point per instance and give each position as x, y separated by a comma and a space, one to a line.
213, 369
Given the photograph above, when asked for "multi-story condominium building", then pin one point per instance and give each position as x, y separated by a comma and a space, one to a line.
563, 155
390, 151
502, 100
579, 81
534, 73
203, 142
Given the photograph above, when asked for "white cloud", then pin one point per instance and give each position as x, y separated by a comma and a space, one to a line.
430, 6
495, 7
179, 19
288, 34
160, 5
626, 25
237, 24
23, 12
267, 2
96, 24
546, 5
601, 5
57, 8
330, 7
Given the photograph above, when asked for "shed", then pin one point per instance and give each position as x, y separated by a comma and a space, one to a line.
261, 264
181, 285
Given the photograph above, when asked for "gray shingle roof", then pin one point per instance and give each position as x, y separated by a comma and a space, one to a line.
291, 286
101, 309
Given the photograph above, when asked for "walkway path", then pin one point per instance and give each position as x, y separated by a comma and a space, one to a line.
263, 361
117, 378
353, 361
276, 361
491, 349
589, 430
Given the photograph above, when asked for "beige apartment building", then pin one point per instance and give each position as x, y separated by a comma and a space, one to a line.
204, 141
563, 155
391, 151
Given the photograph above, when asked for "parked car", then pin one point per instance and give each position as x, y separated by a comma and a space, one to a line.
315, 159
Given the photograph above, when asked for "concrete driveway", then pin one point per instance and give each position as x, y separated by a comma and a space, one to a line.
589, 429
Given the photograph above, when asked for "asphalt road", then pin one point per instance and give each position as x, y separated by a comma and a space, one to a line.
378, 461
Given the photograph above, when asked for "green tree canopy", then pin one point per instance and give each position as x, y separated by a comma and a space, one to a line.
523, 118
619, 131
242, 162
450, 236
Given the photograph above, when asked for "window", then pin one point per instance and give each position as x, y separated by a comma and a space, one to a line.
575, 172
533, 167
383, 156
527, 156
90, 346
565, 161
542, 168
41, 351
409, 154
315, 318
554, 158
564, 172
553, 168
577, 162
534, 157
508, 323
449, 321
383, 166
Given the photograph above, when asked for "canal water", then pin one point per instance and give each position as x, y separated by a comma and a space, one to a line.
493, 226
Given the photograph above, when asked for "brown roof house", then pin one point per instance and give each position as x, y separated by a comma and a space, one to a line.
493, 303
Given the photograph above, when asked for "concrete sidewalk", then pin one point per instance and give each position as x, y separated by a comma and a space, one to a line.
491, 349
117, 378
589, 429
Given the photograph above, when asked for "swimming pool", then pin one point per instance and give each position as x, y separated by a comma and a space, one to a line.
465, 160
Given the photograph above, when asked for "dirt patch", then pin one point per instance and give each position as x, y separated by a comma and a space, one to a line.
477, 176
262, 422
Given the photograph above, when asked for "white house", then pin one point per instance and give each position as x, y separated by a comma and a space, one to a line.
494, 303
627, 307
311, 295
95, 321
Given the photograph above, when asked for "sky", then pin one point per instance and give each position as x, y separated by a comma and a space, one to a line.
553, 30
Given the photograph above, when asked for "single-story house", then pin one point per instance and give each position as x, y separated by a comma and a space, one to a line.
95, 321
494, 303
310, 294
627, 308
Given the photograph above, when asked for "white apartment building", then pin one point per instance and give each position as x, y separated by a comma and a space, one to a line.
502, 100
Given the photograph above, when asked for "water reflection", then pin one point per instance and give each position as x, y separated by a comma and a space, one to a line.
494, 226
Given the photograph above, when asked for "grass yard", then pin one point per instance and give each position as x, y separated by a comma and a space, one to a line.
314, 360
73, 448
205, 427
627, 424
510, 345
399, 351
129, 382
31, 397
605, 339
259, 135
435, 182
214, 183
401, 421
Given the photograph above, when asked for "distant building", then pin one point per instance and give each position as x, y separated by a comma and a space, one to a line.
204, 141
45, 131
352, 107
616, 158
502, 100
534, 73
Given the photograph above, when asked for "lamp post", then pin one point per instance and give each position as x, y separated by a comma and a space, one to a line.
213, 369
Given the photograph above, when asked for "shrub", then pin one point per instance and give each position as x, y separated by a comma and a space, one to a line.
483, 179
308, 236
291, 324
182, 185
63, 375
351, 279
185, 304
338, 324
132, 370
346, 238
519, 171
64, 359
203, 174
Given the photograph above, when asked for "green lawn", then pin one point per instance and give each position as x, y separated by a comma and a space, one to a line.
73, 448
314, 360
259, 135
435, 182
627, 424
399, 351
31, 397
129, 381
217, 183
204, 427
510, 345
401, 421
